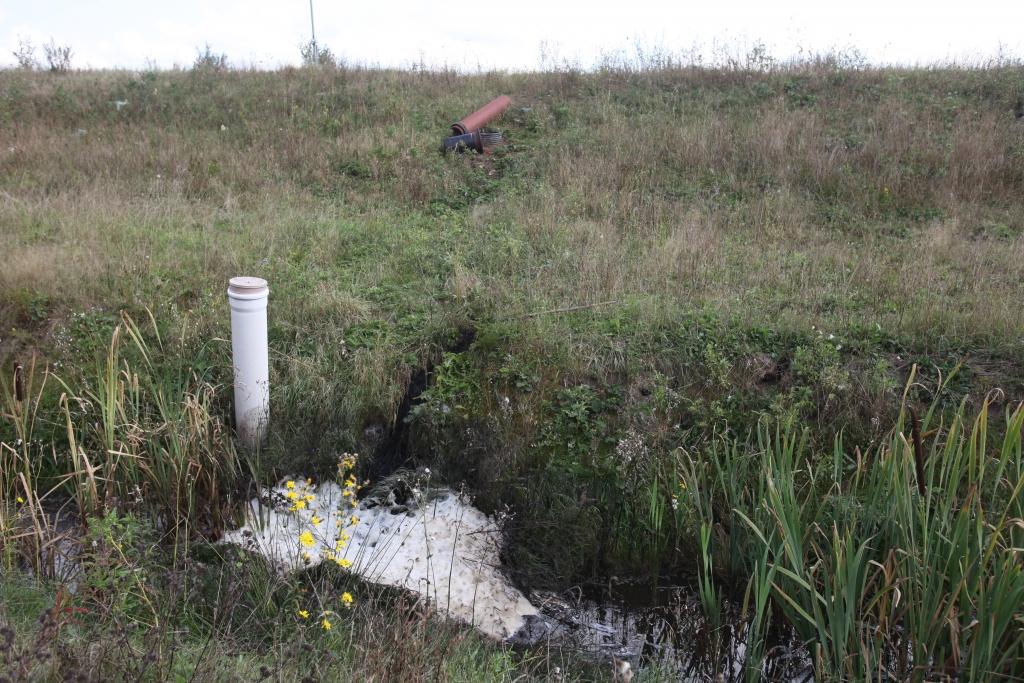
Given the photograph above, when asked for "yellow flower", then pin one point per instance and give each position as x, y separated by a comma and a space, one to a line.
326, 624
306, 539
291, 495
20, 499
290, 485
344, 563
354, 520
304, 613
346, 599
299, 505
308, 497
315, 520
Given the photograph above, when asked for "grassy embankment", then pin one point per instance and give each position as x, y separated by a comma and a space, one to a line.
747, 248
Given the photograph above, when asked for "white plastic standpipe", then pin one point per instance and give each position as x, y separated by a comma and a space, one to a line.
248, 299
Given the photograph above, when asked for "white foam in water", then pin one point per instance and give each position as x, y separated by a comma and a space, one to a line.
445, 550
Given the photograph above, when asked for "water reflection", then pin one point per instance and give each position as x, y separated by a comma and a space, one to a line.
664, 631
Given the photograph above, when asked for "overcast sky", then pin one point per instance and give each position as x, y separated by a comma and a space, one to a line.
511, 35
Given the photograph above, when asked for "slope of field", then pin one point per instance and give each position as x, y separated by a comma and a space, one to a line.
785, 243
655, 261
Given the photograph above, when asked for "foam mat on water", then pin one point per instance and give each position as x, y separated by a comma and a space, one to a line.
442, 548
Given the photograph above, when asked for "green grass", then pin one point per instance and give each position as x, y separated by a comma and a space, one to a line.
878, 578
660, 259
229, 618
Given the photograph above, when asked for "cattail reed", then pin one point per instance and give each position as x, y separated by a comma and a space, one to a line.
19, 382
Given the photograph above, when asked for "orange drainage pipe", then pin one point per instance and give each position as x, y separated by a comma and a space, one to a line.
482, 116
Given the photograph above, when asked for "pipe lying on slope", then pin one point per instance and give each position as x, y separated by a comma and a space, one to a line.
482, 116
477, 140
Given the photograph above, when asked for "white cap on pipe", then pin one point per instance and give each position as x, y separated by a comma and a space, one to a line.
247, 287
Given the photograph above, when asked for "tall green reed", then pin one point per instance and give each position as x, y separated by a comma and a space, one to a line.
877, 579
139, 434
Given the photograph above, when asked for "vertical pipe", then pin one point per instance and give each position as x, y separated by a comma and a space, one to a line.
250, 357
312, 30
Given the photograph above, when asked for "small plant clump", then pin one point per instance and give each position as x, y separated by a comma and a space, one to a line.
209, 61
25, 55
314, 54
58, 57
299, 497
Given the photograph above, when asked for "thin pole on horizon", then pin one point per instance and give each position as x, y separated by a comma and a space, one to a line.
312, 26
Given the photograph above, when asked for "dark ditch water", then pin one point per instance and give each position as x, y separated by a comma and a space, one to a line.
661, 628
393, 445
